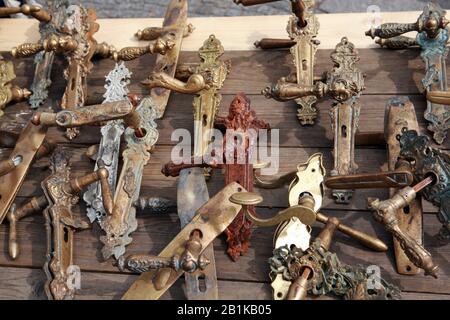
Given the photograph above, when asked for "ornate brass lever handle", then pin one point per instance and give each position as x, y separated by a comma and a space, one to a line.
189, 261
385, 213
15, 214
53, 43
160, 46
84, 116
9, 165
37, 204
194, 84
29, 10
304, 211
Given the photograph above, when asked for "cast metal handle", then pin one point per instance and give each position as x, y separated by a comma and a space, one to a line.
153, 33
52, 43
439, 97
390, 30
385, 212
194, 84
304, 211
93, 114
397, 43
268, 43
160, 46
190, 260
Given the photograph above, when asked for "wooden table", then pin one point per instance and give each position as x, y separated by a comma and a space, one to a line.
388, 73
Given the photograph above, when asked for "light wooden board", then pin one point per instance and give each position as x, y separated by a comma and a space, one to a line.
236, 33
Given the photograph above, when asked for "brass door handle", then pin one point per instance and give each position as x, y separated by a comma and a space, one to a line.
153, 33
390, 179
89, 115
53, 43
189, 261
385, 213
440, 97
194, 84
160, 46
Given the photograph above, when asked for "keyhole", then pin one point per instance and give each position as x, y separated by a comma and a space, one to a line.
406, 210
304, 65
344, 131
202, 283
205, 119
72, 87
66, 234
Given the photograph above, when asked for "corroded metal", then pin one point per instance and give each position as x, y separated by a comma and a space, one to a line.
175, 27
344, 84
211, 220
190, 260
319, 272
205, 80
400, 114
385, 212
108, 151
122, 222
9, 92
432, 38
90, 115
303, 27
427, 161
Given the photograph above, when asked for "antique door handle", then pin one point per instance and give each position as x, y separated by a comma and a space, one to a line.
190, 260
161, 46
9, 92
211, 220
432, 37
89, 115
53, 43
385, 213
153, 33
440, 97
268, 43
194, 84
37, 204
304, 211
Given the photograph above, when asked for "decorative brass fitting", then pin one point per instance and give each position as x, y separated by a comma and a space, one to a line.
432, 37
37, 12
8, 92
385, 212
211, 220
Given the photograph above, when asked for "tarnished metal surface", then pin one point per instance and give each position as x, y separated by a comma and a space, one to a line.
206, 80
27, 146
385, 212
427, 161
107, 155
9, 92
303, 27
175, 22
389, 179
432, 37
211, 219
122, 222
400, 114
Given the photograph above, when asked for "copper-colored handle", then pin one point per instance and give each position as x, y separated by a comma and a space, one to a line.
150, 33
130, 53
93, 114
26, 50
439, 97
14, 215
364, 238
268, 43
247, 3
298, 9
299, 287
327, 233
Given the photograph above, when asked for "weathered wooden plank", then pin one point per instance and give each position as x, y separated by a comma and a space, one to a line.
387, 72
156, 231
26, 283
